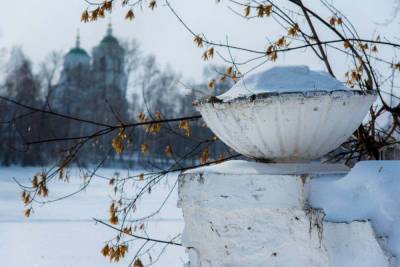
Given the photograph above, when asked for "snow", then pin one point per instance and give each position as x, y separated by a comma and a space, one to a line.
239, 167
64, 234
369, 192
283, 79
353, 245
72, 244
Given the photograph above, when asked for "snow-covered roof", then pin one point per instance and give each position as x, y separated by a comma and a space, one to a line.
284, 79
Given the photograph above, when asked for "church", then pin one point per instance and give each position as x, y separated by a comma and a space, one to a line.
93, 86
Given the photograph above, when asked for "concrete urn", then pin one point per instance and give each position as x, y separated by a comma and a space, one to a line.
286, 114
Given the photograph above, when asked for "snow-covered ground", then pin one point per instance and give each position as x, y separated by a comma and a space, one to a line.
64, 234
369, 192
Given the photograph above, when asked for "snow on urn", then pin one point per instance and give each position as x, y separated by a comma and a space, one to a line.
286, 114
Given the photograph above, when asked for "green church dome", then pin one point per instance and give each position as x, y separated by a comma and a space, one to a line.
109, 38
78, 50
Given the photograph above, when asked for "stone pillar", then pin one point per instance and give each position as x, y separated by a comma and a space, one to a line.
242, 213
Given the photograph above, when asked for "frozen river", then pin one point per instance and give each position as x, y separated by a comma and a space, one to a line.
64, 233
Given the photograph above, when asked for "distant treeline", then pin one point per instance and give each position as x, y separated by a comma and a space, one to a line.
34, 137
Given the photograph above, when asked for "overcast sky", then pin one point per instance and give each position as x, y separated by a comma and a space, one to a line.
41, 26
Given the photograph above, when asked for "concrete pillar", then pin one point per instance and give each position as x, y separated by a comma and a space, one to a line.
242, 213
